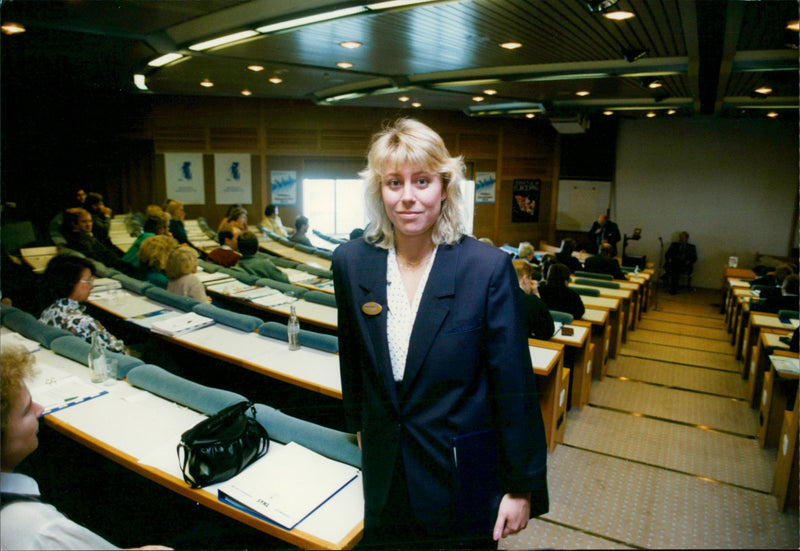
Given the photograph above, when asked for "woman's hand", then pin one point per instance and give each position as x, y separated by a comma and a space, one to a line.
512, 515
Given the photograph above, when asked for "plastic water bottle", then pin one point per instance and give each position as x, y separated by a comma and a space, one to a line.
293, 331
97, 360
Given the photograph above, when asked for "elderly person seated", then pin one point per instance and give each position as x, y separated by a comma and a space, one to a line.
77, 231
154, 225
68, 280
254, 264
680, 259
153, 254
526, 253
181, 269
26, 522
227, 253
604, 263
177, 214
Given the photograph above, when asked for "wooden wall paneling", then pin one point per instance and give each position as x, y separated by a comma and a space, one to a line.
344, 141
180, 138
233, 139
291, 139
478, 145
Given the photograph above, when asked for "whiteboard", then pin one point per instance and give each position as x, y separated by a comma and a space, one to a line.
580, 202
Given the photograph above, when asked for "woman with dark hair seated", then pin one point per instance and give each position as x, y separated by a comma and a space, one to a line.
77, 230
68, 280
557, 295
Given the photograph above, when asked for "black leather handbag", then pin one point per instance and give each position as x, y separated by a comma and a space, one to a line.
221, 446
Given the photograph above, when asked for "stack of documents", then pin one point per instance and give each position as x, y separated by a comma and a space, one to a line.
287, 484
102, 284
785, 364
180, 325
56, 394
16, 338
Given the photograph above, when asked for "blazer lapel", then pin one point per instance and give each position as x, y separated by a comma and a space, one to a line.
433, 310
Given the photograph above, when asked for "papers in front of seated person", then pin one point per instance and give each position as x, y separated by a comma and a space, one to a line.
102, 284
55, 393
274, 300
785, 364
181, 324
287, 484
208, 277
16, 338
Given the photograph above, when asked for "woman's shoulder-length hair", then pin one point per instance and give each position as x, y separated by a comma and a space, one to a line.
180, 262
408, 142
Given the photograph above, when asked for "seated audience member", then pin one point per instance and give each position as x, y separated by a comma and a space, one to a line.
355, 233
301, 227
101, 218
537, 314
257, 265
557, 295
226, 254
154, 225
153, 210
548, 259
68, 280
772, 278
26, 522
177, 214
602, 231
680, 259
273, 222
77, 231
232, 213
153, 254
181, 270
786, 300
80, 198
604, 263
564, 256
526, 253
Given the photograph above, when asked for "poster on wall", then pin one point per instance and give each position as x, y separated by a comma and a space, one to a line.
284, 187
485, 187
233, 179
525, 204
184, 177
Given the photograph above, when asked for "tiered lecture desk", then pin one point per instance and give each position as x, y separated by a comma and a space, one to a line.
552, 385
615, 319
278, 249
601, 339
337, 524
780, 389
38, 257
580, 344
756, 322
730, 278
786, 484
768, 342
626, 304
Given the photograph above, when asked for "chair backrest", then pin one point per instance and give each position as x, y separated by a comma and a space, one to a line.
324, 254
200, 398
236, 320
593, 275
177, 301
16, 235
586, 291
786, 315
132, 284
320, 297
285, 288
276, 330
561, 317
596, 283
305, 248
28, 326
210, 267
282, 262
77, 349
315, 271
284, 241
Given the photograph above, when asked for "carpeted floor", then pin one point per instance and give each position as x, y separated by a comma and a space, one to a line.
665, 454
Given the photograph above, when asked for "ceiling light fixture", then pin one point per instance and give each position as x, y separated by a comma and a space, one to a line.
619, 15
404, 98
344, 65
764, 90
478, 98
247, 93
772, 114
389, 4
416, 104
206, 83
300, 21
671, 112
164, 59
140, 82
633, 54
793, 25
350, 44
276, 80
655, 84
651, 114
608, 112
255, 68
490, 92
12, 28
600, 6
511, 45
582, 93
221, 41
530, 115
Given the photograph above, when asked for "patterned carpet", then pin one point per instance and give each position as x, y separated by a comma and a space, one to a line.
664, 456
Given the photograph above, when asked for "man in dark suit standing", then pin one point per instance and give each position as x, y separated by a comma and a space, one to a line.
680, 258
603, 231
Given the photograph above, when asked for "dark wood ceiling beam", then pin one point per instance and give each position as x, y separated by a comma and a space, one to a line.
688, 14
733, 27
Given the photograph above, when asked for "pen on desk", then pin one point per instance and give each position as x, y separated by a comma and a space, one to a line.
70, 398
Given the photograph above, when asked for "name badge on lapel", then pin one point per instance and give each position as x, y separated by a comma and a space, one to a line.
371, 308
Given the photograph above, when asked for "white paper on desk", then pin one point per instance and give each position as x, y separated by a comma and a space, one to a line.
184, 323
57, 394
274, 300
129, 306
16, 338
148, 320
288, 484
786, 365
557, 325
228, 286
256, 292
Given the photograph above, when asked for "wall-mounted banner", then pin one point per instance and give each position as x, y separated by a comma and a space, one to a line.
284, 187
525, 204
183, 173
485, 187
233, 179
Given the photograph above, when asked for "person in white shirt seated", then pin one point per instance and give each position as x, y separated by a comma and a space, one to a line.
25, 521
273, 222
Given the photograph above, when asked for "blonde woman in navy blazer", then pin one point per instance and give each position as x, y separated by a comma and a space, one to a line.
411, 381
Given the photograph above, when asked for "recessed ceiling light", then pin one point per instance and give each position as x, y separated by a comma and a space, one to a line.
490, 92
530, 115
619, 15
655, 84
772, 114
247, 93
164, 59
350, 44
671, 112
276, 80
608, 112
344, 64
651, 114
12, 28
140, 82
416, 104
404, 98
478, 98
764, 90
206, 83
793, 26
511, 45
255, 68
582, 93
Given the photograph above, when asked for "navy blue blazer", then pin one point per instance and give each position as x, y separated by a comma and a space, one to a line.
468, 368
